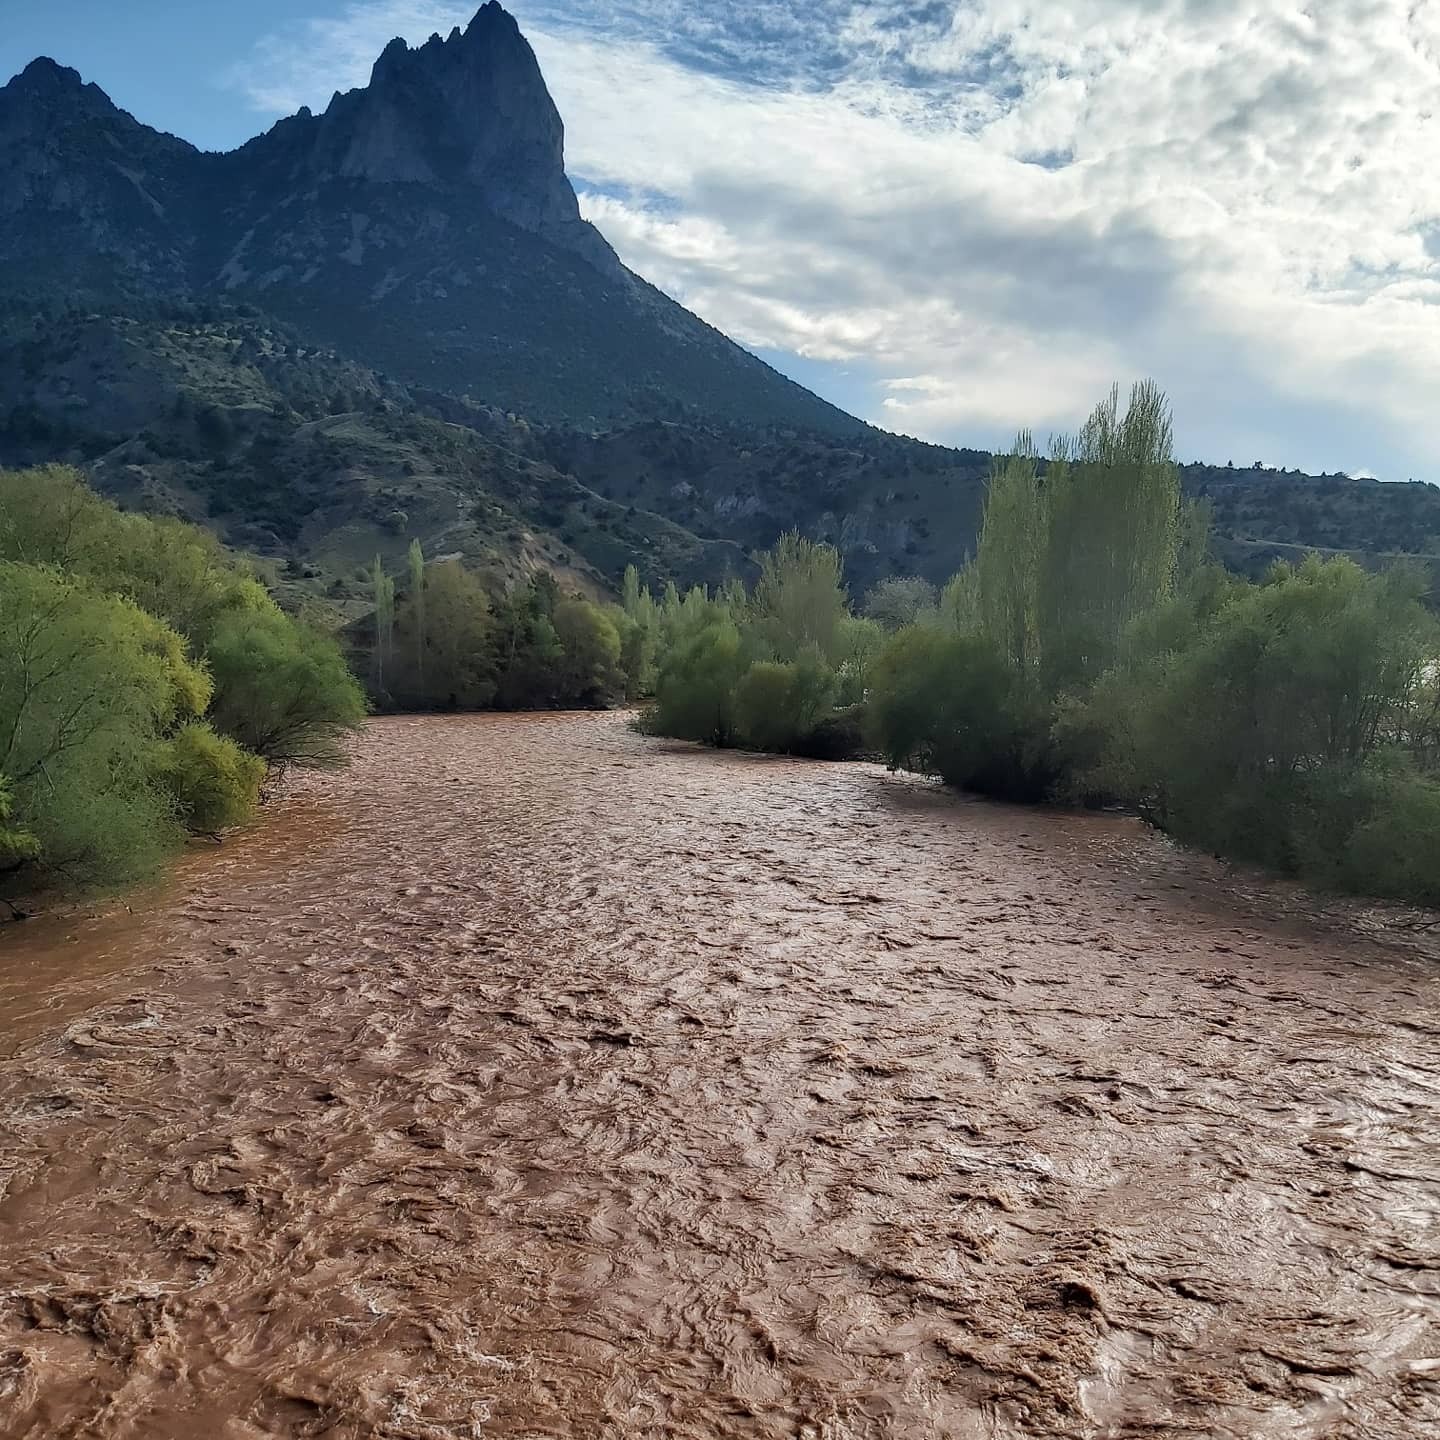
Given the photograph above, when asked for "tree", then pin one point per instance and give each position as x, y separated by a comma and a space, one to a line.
695, 690
215, 783
89, 686
952, 705
1112, 533
283, 690
382, 591
1282, 727
459, 665
18, 846
799, 599
589, 668
779, 705
901, 600
415, 562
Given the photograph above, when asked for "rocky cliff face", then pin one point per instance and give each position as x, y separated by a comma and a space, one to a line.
423, 223
470, 113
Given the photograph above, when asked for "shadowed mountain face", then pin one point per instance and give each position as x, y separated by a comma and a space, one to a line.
424, 222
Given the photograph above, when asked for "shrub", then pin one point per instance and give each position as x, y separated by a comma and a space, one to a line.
779, 705
695, 691
90, 684
215, 784
283, 690
950, 705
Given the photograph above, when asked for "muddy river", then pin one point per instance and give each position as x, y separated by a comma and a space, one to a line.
535, 1079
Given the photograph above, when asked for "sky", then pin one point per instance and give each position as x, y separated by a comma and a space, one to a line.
955, 218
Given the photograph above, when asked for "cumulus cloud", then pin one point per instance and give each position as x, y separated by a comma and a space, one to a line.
995, 207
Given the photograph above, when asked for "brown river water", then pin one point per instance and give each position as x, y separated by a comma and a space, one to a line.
535, 1079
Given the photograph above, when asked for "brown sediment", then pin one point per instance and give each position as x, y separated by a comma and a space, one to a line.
534, 1079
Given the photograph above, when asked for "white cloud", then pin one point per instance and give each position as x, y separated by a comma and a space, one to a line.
1239, 197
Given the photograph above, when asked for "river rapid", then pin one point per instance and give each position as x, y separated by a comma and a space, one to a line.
532, 1078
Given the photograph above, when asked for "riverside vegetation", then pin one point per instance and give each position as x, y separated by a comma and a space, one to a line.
149, 682
1093, 651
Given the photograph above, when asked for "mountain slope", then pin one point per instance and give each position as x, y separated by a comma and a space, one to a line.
424, 222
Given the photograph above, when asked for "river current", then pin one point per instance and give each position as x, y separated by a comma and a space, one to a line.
532, 1079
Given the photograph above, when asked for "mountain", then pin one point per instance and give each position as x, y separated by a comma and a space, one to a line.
390, 321
423, 223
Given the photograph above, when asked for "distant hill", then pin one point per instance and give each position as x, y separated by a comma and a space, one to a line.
390, 321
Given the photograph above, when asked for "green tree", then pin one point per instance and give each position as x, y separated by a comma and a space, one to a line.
1281, 727
695, 690
779, 705
799, 599
382, 593
458, 646
89, 686
215, 783
588, 672
952, 705
17, 846
283, 690
415, 563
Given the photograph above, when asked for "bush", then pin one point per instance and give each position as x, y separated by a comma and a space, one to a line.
949, 705
1281, 727
215, 784
589, 670
90, 685
780, 705
283, 690
17, 846
1395, 850
695, 691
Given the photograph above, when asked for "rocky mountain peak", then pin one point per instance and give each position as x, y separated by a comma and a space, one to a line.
469, 110
468, 113
45, 88
44, 76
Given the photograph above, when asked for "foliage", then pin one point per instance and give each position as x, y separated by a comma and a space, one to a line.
769, 669
799, 599
1280, 730
17, 845
951, 705
857, 643
445, 632
695, 691
588, 672
781, 704
283, 690
901, 600
215, 784
89, 685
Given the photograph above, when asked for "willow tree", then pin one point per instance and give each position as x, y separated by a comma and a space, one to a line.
799, 599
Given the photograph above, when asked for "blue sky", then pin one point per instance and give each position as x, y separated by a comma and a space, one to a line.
954, 217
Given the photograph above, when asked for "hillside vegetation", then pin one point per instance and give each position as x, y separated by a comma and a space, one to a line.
216, 414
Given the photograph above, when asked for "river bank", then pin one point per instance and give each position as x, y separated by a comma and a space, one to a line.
534, 1078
